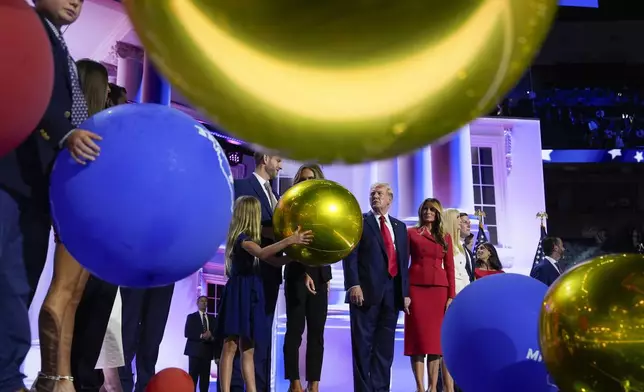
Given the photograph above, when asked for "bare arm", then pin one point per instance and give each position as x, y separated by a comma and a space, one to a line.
267, 251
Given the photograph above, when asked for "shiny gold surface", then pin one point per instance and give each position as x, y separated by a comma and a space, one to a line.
328, 209
592, 326
342, 80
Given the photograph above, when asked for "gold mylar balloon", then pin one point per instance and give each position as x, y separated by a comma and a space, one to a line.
325, 207
592, 326
342, 80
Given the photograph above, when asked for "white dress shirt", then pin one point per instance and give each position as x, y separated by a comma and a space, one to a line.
201, 314
271, 198
554, 263
389, 226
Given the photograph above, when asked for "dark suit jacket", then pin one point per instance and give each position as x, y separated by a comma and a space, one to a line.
195, 346
367, 265
25, 171
545, 272
469, 264
431, 265
250, 186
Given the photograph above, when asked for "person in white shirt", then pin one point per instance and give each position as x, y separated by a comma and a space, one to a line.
452, 226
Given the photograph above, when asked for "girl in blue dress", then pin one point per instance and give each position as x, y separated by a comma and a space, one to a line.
242, 304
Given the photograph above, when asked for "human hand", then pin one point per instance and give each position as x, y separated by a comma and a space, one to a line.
449, 302
206, 335
355, 296
82, 147
310, 285
407, 303
301, 237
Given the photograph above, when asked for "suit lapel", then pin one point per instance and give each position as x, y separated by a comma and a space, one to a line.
261, 195
371, 222
57, 49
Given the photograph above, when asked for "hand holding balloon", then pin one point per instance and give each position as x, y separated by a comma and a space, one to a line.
82, 147
300, 237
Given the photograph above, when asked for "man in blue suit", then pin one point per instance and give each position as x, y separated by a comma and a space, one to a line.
376, 281
549, 269
200, 344
258, 185
24, 197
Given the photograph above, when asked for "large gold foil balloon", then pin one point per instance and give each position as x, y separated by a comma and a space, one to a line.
328, 209
592, 326
342, 80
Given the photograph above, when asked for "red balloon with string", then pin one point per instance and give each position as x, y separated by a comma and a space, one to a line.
171, 380
26, 72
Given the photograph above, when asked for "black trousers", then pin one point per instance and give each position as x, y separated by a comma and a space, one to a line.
199, 370
35, 226
92, 318
304, 308
145, 314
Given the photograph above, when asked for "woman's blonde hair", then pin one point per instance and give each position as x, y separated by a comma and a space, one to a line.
451, 227
94, 83
247, 219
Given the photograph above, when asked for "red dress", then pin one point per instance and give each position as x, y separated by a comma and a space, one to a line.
480, 273
431, 283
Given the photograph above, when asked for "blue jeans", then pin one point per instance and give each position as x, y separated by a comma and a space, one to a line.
15, 335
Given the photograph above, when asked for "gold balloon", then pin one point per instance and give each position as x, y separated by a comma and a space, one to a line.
341, 80
592, 326
325, 207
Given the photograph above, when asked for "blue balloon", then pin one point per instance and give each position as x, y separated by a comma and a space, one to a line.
490, 338
154, 206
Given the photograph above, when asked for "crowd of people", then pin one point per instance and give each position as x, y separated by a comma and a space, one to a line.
582, 118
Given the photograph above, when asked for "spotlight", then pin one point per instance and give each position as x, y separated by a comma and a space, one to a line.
234, 158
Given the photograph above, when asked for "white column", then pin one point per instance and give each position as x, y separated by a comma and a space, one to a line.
130, 69
452, 170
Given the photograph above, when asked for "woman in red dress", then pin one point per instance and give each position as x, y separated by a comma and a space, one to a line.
487, 261
432, 287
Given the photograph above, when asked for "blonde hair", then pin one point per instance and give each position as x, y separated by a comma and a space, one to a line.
247, 219
316, 169
385, 185
451, 226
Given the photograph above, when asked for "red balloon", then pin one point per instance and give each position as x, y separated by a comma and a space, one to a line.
171, 380
26, 72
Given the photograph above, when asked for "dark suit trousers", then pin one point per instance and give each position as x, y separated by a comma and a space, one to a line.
92, 317
145, 314
373, 330
304, 308
35, 225
262, 349
199, 369
15, 336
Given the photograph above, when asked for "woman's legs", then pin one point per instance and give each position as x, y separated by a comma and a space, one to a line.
418, 368
247, 351
316, 314
56, 321
226, 363
112, 381
433, 364
448, 381
295, 294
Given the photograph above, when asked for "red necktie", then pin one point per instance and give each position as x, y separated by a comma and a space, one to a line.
389, 247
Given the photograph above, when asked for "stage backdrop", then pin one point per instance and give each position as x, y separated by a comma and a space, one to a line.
493, 164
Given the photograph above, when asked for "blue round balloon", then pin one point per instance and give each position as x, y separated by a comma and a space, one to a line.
154, 206
490, 338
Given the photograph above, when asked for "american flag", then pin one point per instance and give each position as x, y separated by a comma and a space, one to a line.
481, 238
539, 255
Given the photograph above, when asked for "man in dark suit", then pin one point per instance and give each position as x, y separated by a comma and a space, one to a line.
258, 185
200, 344
145, 315
377, 285
466, 229
24, 198
549, 269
